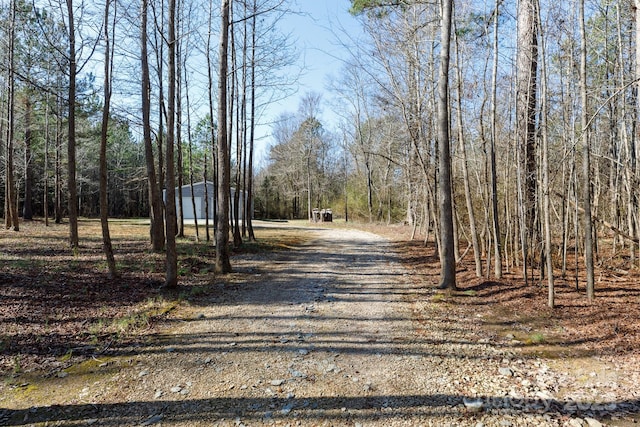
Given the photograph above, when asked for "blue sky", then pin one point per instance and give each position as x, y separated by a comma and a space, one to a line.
316, 29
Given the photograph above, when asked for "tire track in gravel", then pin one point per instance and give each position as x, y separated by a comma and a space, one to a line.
324, 334
320, 335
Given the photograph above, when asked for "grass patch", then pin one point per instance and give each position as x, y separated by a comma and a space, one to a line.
439, 297
143, 317
67, 356
17, 365
536, 338
273, 242
194, 292
24, 390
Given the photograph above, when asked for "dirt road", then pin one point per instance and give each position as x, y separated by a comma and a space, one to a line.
325, 334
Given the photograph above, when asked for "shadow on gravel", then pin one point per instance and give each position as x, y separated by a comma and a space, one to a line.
341, 282
291, 277
342, 343
34, 322
372, 408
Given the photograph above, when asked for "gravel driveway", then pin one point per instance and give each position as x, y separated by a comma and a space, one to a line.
325, 334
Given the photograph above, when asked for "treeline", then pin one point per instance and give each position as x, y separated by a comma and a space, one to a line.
106, 105
543, 117
40, 168
514, 132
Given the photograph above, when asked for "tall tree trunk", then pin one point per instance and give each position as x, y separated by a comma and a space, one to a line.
159, 52
178, 119
546, 181
448, 261
497, 238
245, 113
11, 196
367, 165
232, 86
240, 91
526, 102
58, 161
223, 263
45, 174
567, 167
628, 136
586, 162
212, 129
71, 141
249, 199
465, 170
171, 280
27, 207
155, 195
309, 208
104, 201
245, 123
634, 165
346, 180
206, 196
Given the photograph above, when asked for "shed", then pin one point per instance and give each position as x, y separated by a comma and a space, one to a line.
324, 215
199, 198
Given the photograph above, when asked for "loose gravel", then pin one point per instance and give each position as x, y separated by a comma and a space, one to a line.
334, 333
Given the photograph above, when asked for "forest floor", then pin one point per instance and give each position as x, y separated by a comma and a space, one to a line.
318, 325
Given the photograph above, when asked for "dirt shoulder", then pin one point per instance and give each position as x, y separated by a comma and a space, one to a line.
336, 331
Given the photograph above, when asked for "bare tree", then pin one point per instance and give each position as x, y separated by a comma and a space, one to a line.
58, 160
212, 128
633, 215
237, 108
159, 48
308, 141
223, 263
252, 125
526, 104
155, 198
546, 179
179, 172
171, 279
71, 136
586, 161
497, 238
27, 206
465, 172
11, 205
448, 260
104, 201
45, 174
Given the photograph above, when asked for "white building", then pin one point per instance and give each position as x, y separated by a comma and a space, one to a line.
199, 198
